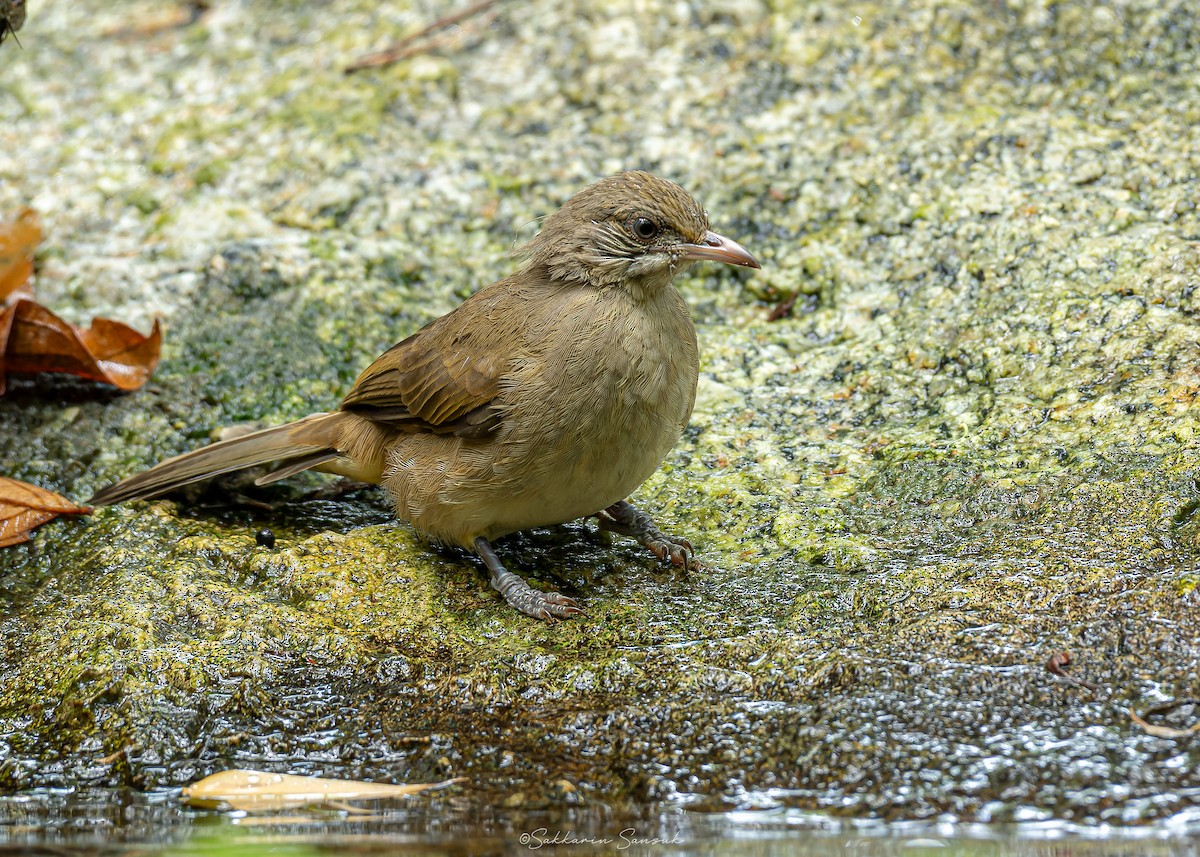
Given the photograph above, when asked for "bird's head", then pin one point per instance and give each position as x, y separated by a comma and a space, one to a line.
632, 230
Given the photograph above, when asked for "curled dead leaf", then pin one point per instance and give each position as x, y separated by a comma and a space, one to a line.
33, 339
1057, 665
245, 790
24, 506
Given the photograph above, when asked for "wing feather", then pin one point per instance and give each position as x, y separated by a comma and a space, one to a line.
445, 377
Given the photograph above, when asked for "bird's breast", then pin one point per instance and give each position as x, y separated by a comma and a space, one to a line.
598, 400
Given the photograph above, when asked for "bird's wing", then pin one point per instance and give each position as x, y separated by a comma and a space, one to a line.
443, 379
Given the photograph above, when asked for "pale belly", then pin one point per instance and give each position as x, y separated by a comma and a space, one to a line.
582, 433
603, 469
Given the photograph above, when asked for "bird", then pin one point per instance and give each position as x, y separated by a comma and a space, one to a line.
545, 397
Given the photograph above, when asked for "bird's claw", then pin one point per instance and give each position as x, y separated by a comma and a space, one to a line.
626, 519
548, 606
678, 552
534, 602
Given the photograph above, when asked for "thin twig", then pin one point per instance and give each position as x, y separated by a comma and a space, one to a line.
404, 47
1165, 731
783, 308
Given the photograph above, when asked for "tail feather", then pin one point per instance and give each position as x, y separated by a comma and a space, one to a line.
257, 448
293, 467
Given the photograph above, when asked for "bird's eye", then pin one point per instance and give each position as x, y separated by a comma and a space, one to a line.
643, 228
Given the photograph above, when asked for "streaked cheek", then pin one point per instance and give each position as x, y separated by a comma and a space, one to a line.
649, 265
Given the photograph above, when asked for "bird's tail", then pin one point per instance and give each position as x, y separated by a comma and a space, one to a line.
296, 446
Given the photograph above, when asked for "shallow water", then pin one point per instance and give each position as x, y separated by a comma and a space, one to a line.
120, 822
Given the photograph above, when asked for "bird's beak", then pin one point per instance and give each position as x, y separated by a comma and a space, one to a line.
718, 248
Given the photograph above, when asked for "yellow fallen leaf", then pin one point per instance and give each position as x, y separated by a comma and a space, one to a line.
258, 790
18, 239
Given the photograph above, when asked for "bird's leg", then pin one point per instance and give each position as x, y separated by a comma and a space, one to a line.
627, 519
519, 594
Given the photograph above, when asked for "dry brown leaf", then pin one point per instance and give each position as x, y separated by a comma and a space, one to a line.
244, 790
18, 239
33, 339
24, 506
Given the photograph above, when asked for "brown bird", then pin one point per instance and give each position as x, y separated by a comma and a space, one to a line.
547, 396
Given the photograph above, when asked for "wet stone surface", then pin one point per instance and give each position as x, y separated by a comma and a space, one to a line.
968, 447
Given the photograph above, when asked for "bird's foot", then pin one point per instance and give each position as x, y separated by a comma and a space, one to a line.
628, 520
519, 594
